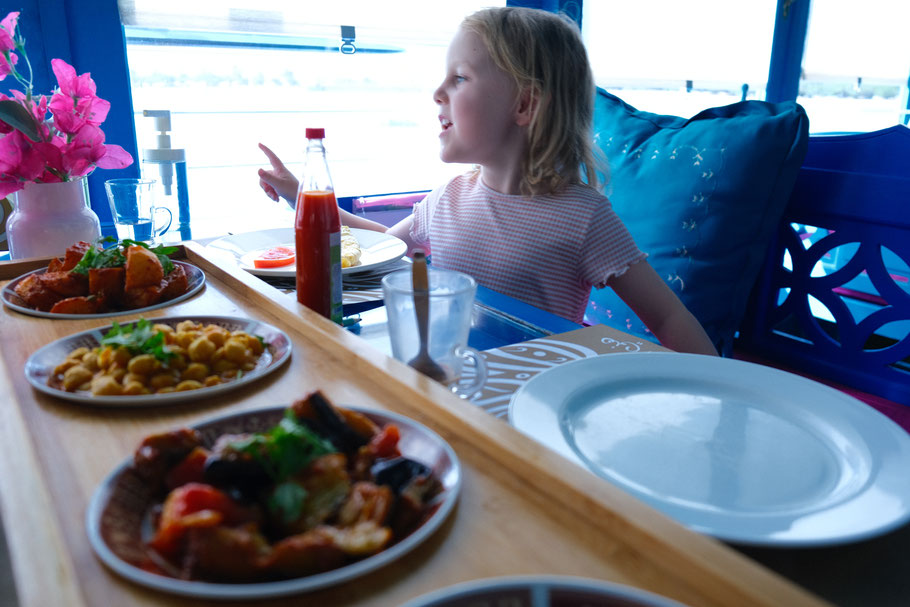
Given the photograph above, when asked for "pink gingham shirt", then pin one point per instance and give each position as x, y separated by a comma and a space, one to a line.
545, 250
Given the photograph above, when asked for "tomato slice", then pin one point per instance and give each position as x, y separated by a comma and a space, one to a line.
275, 257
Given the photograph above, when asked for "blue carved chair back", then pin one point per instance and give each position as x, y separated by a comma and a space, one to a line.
833, 297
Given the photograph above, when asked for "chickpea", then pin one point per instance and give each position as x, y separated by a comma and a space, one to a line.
185, 338
224, 366
76, 376
162, 380
165, 390
168, 330
248, 366
255, 345
212, 380
117, 373
187, 325
106, 357
178, 362
197, 371
105, 385
134, 388
78, 353
90, 361
67, 364
217, 335
236, 350
188, 384
143, 364
201, 349
133, 377
121, 357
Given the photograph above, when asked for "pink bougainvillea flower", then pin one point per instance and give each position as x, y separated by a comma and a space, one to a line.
69, 143
6, 66
37, 107
10, 153
7, 45
7, 30
75, 104
4, 128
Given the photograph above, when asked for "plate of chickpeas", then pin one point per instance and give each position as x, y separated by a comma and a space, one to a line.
163, 361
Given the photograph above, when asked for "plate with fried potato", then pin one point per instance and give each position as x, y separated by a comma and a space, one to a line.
91, 282
159, 362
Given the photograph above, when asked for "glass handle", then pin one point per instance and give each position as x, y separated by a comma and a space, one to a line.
480, 373
170, 220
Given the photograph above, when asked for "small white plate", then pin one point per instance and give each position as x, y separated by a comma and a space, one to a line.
115, 515
540, 591
743, 452
195, 281
376, 250
40, 366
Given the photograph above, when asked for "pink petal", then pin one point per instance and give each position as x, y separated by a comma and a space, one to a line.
7, 187
66, 75
115, 157
9, 28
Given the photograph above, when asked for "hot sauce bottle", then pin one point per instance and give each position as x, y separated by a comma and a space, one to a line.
317, 229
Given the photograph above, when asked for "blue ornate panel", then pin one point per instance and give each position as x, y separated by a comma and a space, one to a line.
833, 299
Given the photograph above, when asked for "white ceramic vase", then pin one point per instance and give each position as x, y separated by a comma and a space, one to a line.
49, 217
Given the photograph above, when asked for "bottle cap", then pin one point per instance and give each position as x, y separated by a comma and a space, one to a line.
315, 133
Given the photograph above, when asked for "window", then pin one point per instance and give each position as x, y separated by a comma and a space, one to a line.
234, 74
856, 65
679, 58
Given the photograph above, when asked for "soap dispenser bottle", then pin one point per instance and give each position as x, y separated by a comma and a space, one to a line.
171, 163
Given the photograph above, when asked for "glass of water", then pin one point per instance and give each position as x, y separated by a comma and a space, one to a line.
133, 207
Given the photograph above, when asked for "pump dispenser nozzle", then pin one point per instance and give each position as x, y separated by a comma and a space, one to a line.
164, 155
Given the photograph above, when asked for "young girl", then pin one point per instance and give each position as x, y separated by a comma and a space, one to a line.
517, 101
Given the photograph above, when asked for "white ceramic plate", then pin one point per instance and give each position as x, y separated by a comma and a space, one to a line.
40, 366
540, 591
195, 280
114, 520
743, 452
377, 249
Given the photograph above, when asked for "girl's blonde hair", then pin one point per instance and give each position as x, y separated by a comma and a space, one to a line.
544, 54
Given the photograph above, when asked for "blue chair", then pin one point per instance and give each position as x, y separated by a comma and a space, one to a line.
833, 296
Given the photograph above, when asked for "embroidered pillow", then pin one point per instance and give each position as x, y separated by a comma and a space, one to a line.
702, 197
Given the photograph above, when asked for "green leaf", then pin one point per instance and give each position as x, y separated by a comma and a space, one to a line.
19, 118
285, 449
140, 338
287, 500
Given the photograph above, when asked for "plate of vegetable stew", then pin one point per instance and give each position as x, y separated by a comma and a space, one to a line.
90, 282
43, 368
127, 524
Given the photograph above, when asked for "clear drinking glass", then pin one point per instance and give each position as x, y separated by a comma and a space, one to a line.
133, 208
451, 305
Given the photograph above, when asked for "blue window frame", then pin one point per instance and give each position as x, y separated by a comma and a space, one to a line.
89, 34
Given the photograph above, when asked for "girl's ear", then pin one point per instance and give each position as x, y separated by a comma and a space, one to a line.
527, 106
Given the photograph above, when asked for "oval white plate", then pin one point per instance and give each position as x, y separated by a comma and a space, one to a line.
377, 249
195, 281
540, 591
117, 509
40, 366
740, 451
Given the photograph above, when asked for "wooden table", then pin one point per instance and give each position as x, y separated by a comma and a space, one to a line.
523, 509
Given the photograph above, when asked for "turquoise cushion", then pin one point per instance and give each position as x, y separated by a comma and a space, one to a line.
702, 196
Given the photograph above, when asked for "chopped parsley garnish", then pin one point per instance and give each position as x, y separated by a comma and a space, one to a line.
283, 451
140, 338
115, 257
